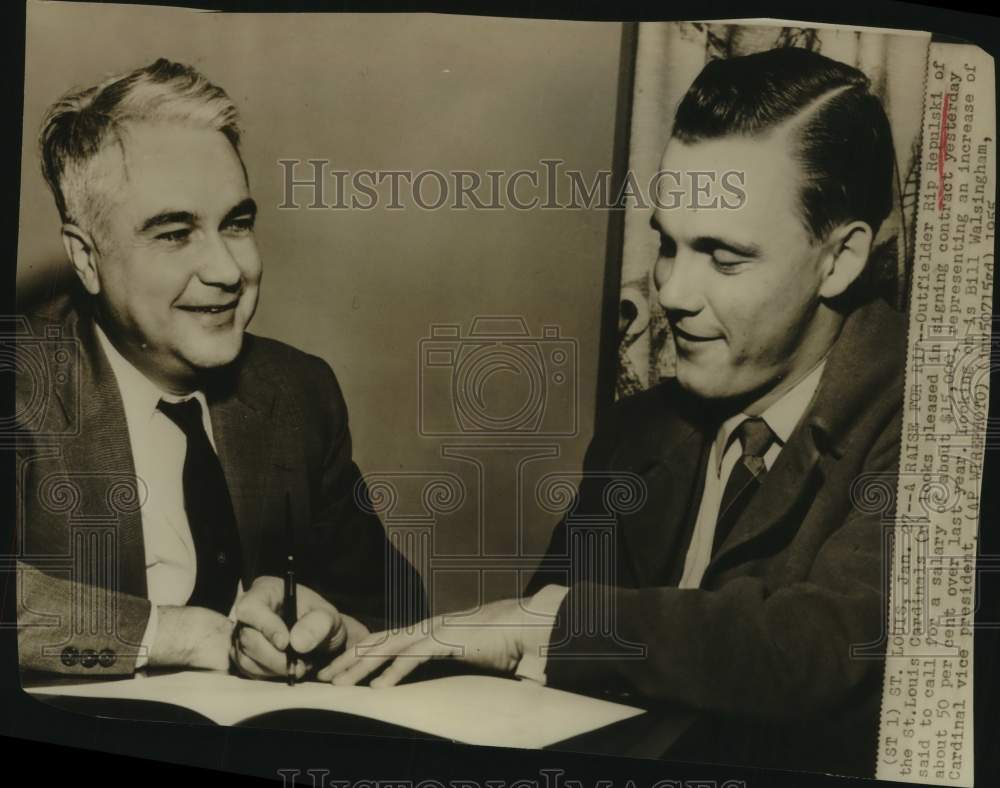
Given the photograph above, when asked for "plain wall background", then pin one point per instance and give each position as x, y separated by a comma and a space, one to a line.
361, 288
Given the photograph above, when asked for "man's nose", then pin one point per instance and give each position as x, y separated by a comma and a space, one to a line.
219, 267
678, 288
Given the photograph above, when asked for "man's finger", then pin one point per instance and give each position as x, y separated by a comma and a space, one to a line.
416, 655
253, 643
374, 643
358, 671
248, 666
340, 663
368, 656
254, 611
319, 626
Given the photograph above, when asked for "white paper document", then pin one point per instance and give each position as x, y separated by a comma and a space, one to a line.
471, 709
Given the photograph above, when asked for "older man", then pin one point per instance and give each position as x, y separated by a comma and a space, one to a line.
743, 585
180, 459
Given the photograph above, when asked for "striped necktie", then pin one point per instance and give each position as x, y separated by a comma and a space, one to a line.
755, 438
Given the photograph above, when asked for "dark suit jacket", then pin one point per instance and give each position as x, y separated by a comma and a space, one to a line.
280, 426
762, 651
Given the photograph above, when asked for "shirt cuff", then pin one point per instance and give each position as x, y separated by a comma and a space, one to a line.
148, 638
544, 604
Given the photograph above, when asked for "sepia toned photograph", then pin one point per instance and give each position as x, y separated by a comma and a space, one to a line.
591, 387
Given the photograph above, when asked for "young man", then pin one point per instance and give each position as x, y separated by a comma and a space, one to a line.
744, 574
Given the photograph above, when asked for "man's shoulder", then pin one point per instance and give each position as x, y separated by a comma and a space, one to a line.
57, 314
264, 352
874, 332
304, 379
643, 420
863, 379
49, 357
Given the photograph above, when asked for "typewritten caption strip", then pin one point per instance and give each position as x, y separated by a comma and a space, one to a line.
926, 731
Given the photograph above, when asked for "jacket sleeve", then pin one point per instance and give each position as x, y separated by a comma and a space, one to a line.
66, 625
741, 649
349, 558
47, 639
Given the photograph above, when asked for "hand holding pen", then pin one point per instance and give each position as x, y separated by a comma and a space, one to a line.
285, 629
269, 646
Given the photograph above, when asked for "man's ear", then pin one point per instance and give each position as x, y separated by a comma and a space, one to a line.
846, 254
83, 255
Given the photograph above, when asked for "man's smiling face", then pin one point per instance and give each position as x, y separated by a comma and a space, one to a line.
739, 286
177, 262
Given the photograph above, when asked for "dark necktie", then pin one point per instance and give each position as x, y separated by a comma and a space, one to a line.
755, 438
209, 512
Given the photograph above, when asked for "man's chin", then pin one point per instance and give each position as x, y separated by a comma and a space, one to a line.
701, 383
715, 387
218, 353
724, 390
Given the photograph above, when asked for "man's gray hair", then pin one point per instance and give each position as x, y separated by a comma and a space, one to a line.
81, 126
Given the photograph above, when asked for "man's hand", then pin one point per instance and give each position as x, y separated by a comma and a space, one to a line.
193, 637
495, 637
320, 633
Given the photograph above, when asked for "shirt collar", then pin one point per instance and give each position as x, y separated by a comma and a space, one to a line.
140, 396
782, 416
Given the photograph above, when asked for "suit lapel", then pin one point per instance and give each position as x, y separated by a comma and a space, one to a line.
785, 487
673, 467
98, 456
668, 463
657, 531
245, 440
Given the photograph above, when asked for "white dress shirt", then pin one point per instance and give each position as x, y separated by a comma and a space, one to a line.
158, 450
782, 417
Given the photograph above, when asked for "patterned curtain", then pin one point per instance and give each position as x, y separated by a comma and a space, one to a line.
669, 56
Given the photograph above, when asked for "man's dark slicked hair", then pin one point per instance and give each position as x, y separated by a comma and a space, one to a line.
844, 143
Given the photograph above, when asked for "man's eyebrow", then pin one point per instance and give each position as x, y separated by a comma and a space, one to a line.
707, 244
167, 217
242, 208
